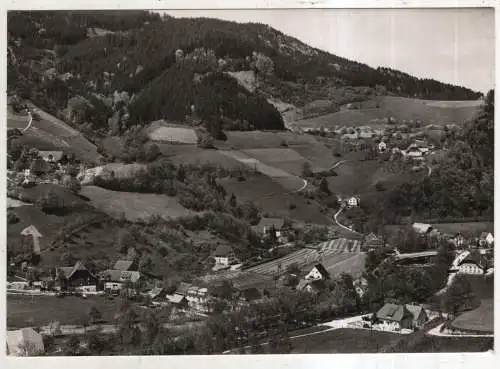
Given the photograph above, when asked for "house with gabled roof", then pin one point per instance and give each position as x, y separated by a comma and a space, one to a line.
51, 156
75, 276
474, 263
271, 227
224, 255
311, 285
402, 316
318, 272
486, 239
115, 280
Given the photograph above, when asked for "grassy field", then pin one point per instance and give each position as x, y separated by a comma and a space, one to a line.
162, 131
353, 177
270, 196
51, 132
400, 108
46, 309
67, 196
343, 341
135, 206
284, 158
265, 139
480, 319
214, 157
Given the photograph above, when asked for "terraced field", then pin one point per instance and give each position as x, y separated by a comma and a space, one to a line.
287, 159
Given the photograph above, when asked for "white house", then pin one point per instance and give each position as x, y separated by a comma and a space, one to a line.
474, 263
224, 255
486, 239
318, 272
115, 279
353, 201
382, 146
35, 234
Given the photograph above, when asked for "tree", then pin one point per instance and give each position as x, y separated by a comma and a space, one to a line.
151, 326
323, 186
71, 183
306, 170
50, 202
145, 262
125, 241
72, 346
458, 296
94, 316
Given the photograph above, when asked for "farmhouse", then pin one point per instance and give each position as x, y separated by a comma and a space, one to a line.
197, 297
114, 280
372, 241
474, 263
382, 146
24, 342
458, 240
224, 255
75, 276
178, 301
318, 272
486, 239
311, 286
402, 316
361, 286
353, 201
51, 156
271, 227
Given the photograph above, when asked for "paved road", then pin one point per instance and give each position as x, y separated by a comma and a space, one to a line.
303, 186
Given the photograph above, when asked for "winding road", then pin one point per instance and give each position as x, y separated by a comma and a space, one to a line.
342, 207
29, 122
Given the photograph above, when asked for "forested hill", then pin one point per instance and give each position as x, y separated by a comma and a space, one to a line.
461, 185
163, 67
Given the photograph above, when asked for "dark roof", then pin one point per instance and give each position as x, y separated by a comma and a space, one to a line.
250, 294
123, 264
393, 312
223, 250
475, 258
322, 270
69, 271
121, 275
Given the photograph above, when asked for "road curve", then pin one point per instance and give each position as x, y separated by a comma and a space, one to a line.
341, 225
337, 164
29, 122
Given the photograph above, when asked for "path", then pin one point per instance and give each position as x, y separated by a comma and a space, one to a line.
29, 122
342, 207
436, 332
429, 168
303, 186
337, 164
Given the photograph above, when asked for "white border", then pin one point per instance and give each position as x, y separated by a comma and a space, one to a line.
344, 361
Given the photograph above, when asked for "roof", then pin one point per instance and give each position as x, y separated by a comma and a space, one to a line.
56, 155
278, 223
422, 227
223, 250
484, 234
415, 310
69, 271
250, 294
121, 275
32, 340
321, 269
175, 298
475, 258
123, 265
393, 312
31, 230
183, 288
155, 292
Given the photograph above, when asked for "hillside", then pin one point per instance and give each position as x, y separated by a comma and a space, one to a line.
104, 73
